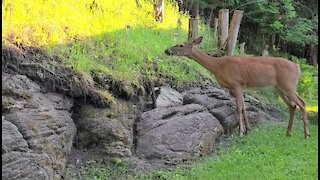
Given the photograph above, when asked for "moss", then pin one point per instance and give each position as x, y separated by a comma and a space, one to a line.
32, 125
24, 94
80, 83
102, 98
48, 147
30, 105
7, 101
44, 116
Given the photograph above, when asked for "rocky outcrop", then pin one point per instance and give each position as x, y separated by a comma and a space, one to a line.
180, 132
37, 130
108, 129
39, 125
222, 106
177, 133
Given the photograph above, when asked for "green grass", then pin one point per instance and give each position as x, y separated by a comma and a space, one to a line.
95, 37
265, 153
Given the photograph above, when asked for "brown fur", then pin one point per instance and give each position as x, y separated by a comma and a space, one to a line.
239, 72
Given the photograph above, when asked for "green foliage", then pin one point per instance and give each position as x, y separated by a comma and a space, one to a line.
291, 21
308, 82
301, 31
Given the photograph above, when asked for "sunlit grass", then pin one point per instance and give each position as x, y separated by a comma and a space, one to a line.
39, 23
112, 37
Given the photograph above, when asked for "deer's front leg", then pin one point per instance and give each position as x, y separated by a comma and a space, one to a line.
245, 116
240, 109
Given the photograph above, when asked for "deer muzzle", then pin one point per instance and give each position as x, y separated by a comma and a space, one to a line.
168, 52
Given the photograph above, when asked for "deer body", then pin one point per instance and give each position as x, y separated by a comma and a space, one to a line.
251, 71
239, 72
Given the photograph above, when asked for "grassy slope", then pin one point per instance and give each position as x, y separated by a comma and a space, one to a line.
95, 37
98, 39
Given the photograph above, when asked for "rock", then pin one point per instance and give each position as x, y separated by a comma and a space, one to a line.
227, 116
217, 103
22, 165
104, 128
168, 97
222, 106
177, 133
12, 140
37, 130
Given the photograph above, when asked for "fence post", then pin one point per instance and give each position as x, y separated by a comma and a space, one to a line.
233, 31
193, 29
223, 25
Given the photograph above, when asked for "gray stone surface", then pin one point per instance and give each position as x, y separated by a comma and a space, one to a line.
222, 106
168, 97
105, 129
37, 130
177, 133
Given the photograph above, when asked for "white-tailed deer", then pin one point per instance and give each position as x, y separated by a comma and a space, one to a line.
237, 73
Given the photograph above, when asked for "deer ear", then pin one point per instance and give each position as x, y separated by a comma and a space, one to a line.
197, 41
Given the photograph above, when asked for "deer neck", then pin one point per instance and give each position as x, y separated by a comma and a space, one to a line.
208, 62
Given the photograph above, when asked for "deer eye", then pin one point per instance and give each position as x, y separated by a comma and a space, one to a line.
181, 45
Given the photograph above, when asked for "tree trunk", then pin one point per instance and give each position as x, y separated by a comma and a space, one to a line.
313, 55
233, 31
223, 27
159, 10
193, 29
138, 4
273, 40
241, 49
194, 9
180, 5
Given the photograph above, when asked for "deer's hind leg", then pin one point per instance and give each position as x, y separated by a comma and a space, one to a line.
292, 108
294, 100
302, 105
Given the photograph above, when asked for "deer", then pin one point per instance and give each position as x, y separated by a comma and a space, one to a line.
239, 72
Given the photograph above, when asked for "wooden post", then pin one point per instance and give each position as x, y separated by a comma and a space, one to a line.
215, 26
223, 27
193, 29
233, 31
159, 10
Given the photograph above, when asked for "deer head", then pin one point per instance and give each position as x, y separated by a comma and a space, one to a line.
183, 49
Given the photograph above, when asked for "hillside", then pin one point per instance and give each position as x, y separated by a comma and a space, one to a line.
88, 92
113, 37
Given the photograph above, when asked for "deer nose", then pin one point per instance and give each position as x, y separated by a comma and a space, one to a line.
167, 51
